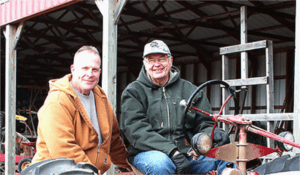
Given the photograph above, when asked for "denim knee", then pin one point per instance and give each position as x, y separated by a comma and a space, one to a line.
205, 164
154, 162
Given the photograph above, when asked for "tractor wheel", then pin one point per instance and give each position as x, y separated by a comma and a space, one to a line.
60, 166
24, 163
283, 164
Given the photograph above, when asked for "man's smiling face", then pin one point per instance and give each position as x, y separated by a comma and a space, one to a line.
158, 66
85, 71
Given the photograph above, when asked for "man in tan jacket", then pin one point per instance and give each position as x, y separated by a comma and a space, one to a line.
76, 120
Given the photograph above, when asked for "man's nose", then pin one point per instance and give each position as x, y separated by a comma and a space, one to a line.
157, 63
90, 72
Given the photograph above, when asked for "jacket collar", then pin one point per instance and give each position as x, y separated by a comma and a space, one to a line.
146, 80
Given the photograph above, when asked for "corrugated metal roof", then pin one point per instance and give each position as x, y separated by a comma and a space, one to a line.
16, 10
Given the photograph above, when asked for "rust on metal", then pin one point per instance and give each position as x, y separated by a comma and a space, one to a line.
242, 149
227, 152
239, 119
254, 151
204, 144
272, 136
231, 171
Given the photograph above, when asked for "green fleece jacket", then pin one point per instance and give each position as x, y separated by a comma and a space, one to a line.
152, 117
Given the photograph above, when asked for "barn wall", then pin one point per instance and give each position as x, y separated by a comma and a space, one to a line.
258, 93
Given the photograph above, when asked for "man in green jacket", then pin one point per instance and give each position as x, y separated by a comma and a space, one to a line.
151, 119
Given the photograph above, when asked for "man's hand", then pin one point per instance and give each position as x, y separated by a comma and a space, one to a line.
183, 166
220, 138
192, 153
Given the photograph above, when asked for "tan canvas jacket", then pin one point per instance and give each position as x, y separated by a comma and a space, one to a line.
65, 130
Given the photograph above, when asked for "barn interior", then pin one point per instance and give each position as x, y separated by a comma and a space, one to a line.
194, 31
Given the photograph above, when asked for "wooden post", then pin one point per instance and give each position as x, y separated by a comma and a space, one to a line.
244, 55
296, 122
12, 36
225, 76
109, 50
270, 90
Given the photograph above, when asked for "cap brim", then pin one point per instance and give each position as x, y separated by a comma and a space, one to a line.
155, 52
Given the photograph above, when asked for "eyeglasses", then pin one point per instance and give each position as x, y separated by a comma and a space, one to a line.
160, 60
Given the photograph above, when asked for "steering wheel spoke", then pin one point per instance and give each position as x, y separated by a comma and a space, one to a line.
188, 105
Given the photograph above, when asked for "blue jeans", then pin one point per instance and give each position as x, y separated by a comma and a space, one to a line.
155, 162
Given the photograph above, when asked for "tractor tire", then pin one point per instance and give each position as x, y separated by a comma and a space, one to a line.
281, 164
60, 166
24, 163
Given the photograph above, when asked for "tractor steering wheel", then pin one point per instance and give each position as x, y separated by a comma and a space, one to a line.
188, 104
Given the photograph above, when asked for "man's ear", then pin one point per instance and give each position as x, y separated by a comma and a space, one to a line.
72, 68
171, 59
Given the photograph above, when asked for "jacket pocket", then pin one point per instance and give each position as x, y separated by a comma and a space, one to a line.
103, 161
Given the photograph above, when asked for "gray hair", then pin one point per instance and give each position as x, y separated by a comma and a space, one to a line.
90, 49
87, 48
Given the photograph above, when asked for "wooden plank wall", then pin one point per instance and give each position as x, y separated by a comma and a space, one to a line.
255, 101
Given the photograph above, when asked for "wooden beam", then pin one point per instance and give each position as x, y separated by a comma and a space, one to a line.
270, 90
243, 47
11, 34
200, 13
109, 54
173, 38
283, 21
248, 81
267, 117
225, 93
215, 26
119, 8
244, 40
256, 9
296, 122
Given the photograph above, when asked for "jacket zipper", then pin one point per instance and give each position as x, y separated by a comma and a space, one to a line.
168, 111
98, 151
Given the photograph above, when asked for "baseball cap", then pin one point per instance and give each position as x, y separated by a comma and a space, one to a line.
156, 46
